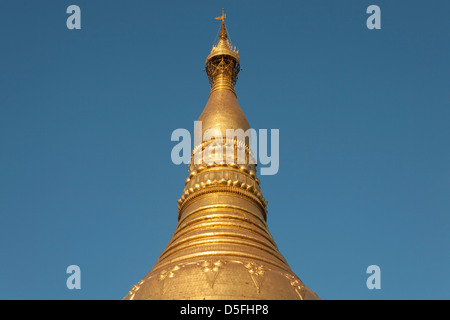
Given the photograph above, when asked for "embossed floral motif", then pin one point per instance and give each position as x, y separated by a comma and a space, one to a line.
255, 269
135, 288
296, 283
211, 269
256, 272
164, 276
211, 265
168, 273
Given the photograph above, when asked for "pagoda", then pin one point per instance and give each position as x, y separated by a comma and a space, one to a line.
221, 248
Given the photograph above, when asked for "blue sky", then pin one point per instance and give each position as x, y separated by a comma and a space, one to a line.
86, 118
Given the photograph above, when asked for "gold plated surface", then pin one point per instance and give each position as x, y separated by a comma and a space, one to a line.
222, 247
222, 111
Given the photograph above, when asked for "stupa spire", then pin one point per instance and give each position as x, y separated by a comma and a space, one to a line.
222, 247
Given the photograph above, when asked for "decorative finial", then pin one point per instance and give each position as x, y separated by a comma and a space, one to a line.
223, 31
222, 17
222, 64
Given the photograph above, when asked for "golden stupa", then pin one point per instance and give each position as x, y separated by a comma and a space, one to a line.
221, 248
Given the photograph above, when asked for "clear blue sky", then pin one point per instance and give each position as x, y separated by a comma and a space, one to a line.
86, 118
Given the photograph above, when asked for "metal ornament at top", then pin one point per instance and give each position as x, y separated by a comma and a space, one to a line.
222, 64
